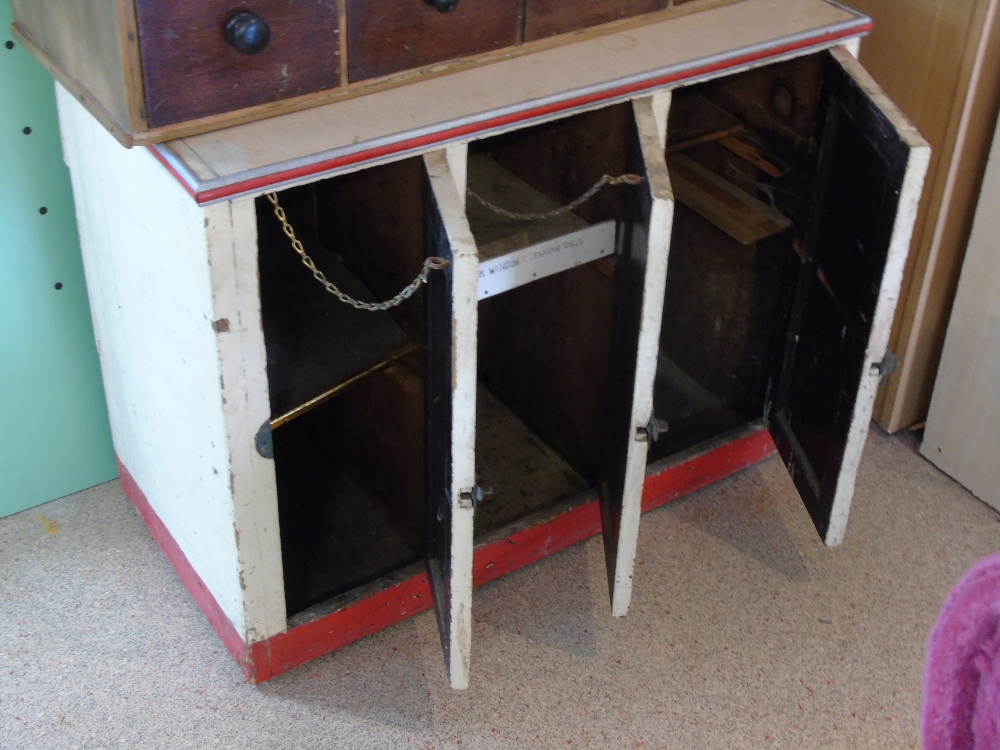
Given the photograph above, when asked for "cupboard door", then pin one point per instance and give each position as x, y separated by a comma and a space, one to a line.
871, 170
641, 280
451, 299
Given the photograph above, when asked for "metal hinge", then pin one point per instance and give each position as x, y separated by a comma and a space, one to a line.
885, 368
651, 432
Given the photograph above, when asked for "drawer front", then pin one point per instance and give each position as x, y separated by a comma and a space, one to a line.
190, 70
386, 36
549, 17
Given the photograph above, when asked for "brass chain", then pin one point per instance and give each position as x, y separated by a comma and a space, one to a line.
434, 263
430, 264
625, 179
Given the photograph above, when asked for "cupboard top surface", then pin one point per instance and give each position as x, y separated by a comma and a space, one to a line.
346, 135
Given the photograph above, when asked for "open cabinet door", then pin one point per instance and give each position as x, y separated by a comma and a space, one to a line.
869, 179
640, 284
451, 413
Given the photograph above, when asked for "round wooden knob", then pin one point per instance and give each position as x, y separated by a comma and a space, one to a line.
248, 32
443, 6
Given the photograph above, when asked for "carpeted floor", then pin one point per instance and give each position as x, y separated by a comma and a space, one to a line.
745, 632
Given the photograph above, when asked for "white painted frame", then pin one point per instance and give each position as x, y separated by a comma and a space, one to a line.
176, 309
651, 122
448, 184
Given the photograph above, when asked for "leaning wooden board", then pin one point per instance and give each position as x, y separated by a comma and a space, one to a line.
152, 71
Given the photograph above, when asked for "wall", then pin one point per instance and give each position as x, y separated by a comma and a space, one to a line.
963, 427
54, 434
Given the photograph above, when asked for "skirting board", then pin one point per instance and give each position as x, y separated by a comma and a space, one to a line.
266, 659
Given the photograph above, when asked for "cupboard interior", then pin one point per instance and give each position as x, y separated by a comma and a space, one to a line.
348, 386
544, 346
742, 153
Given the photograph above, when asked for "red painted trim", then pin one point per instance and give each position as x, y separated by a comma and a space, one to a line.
173, 170
266, 659
700, 471
202, 596
530, 545
442, 136
301, 644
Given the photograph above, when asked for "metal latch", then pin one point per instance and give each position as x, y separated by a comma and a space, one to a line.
264, 441
652, 431
470, 499
885, 368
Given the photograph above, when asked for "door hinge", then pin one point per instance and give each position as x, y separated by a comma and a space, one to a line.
885, 368
264, 441
652, 430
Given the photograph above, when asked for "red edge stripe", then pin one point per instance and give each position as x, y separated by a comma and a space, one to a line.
199, 591
442, 136
266, 659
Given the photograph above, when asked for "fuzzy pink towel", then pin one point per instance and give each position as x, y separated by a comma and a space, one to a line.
962, 679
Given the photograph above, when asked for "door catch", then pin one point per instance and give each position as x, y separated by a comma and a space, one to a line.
885, 368
652, 431
470, 499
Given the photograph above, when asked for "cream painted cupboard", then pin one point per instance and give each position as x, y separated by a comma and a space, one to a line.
644, 254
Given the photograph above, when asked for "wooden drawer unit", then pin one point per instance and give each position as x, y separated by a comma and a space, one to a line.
578, 355
151, 71
543, 18
387, 37
191, 69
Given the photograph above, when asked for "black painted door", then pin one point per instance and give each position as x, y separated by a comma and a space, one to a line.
640, 284
450, 393
870, 174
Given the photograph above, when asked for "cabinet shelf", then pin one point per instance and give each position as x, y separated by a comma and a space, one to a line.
512, 251
737, 213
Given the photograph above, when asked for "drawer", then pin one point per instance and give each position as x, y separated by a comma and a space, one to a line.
549, 17
386, 37
190, 70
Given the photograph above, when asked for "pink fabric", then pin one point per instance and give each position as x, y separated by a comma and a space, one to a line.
962, 679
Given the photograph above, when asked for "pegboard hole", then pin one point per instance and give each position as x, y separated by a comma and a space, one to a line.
43, 210
27, 131
59, 285
9, 45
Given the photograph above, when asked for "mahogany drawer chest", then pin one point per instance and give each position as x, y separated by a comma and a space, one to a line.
652, 258
153, 70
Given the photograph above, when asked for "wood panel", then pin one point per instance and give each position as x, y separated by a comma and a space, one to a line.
963, 427
386, 37
544, 18
191, 71
81, 40
940, 62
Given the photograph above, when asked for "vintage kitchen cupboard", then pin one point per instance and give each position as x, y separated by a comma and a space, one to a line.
316, 471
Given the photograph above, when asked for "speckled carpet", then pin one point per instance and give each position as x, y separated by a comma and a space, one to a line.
745, 632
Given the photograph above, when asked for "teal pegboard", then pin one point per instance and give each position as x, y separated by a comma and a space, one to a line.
54, 434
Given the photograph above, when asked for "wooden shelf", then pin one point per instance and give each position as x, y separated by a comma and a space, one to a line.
514, 252
737, 213
497, 235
